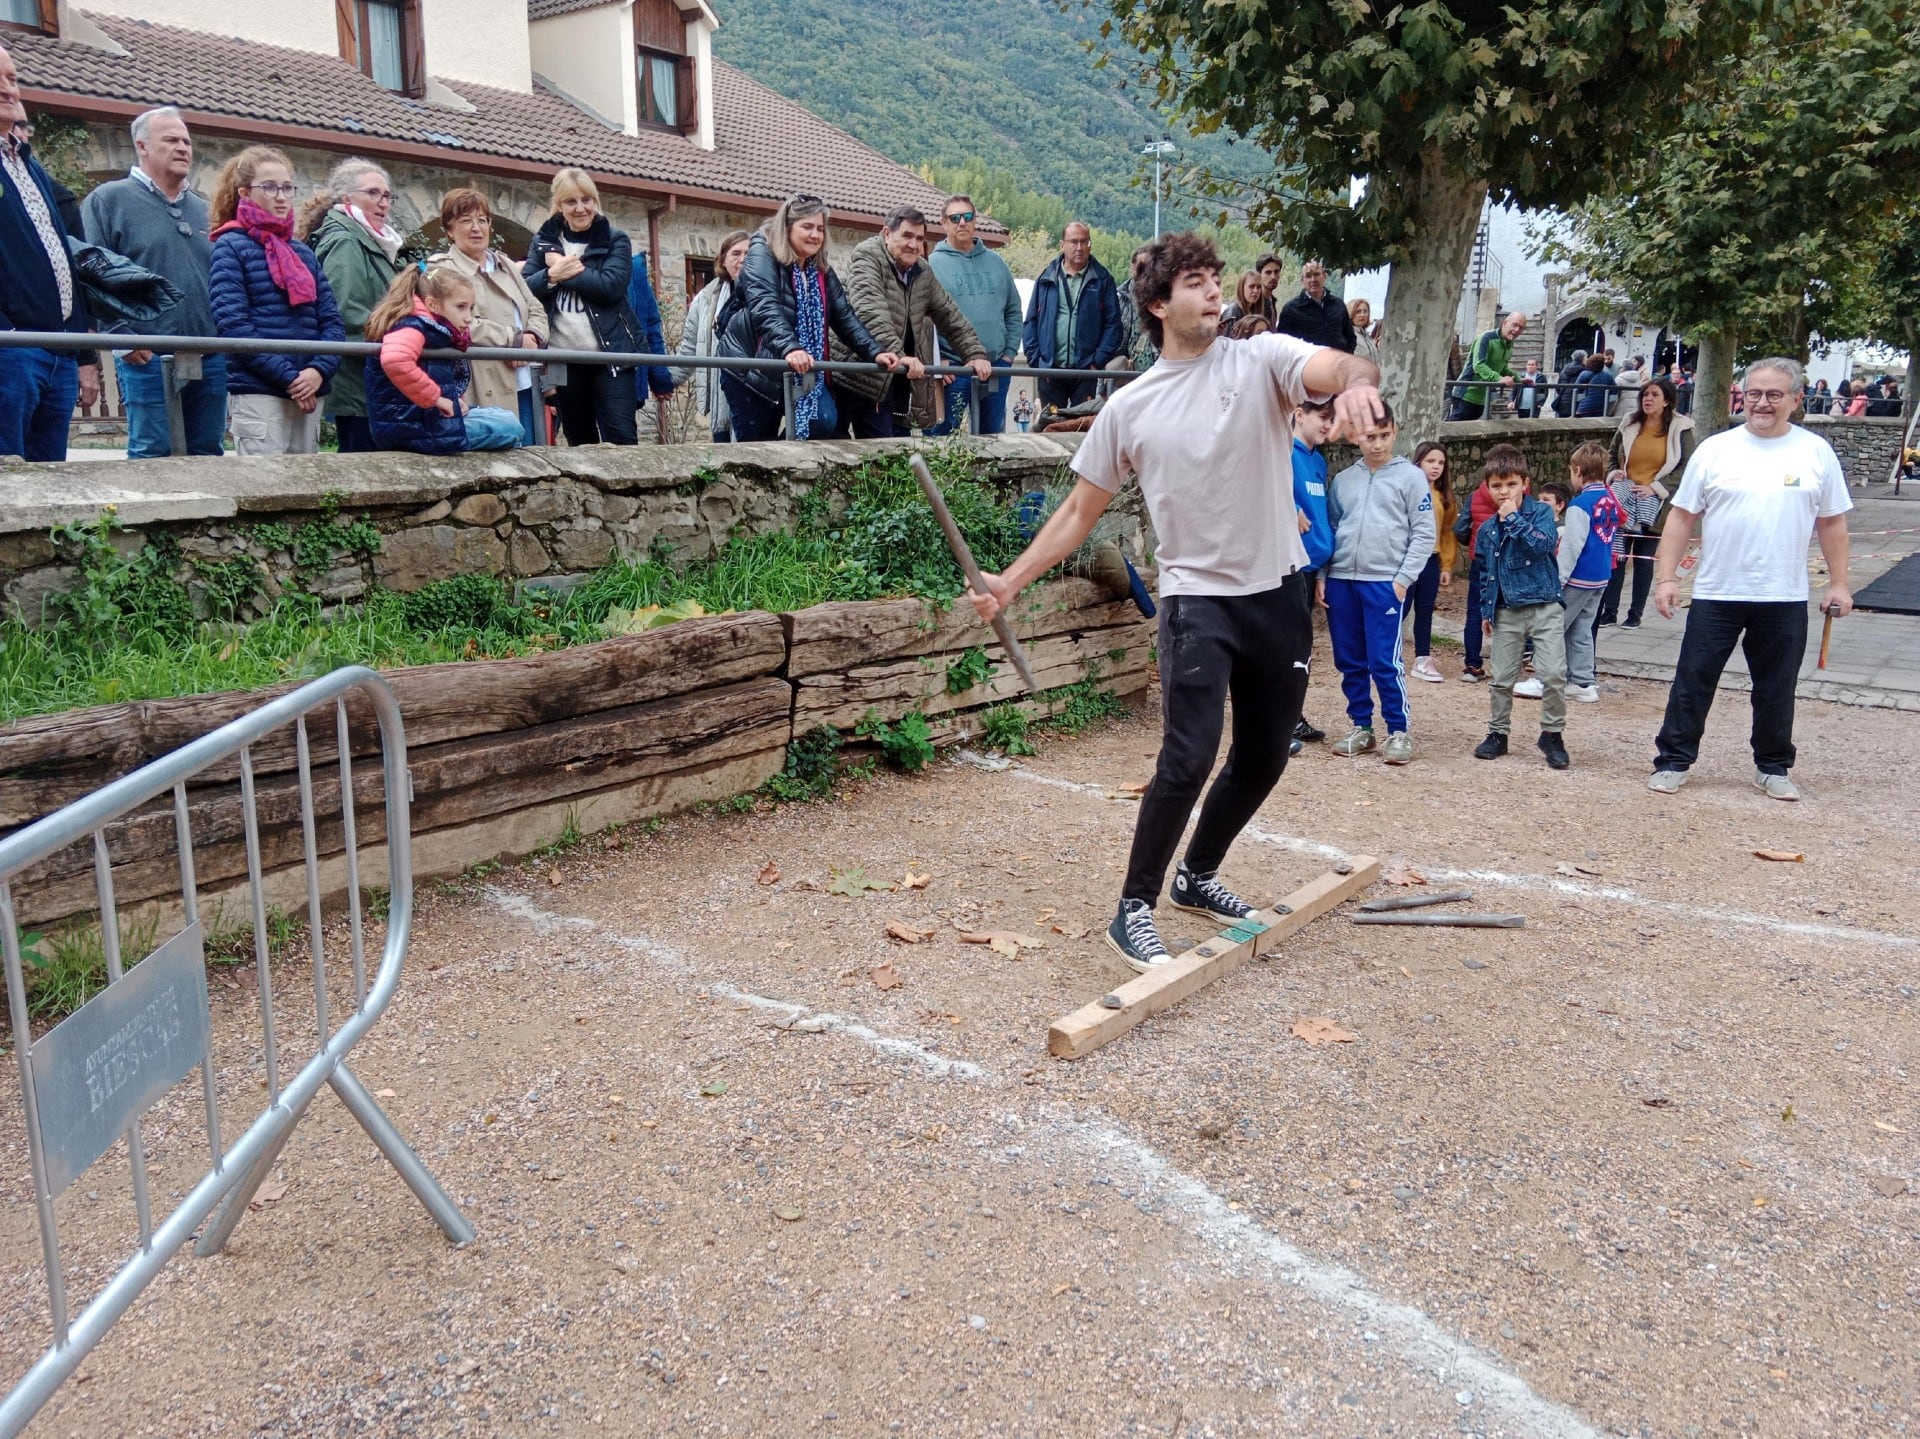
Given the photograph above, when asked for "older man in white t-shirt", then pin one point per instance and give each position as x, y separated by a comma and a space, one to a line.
1758, 494
1207, 431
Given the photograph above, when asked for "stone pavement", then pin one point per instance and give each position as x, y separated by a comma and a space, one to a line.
1874, 658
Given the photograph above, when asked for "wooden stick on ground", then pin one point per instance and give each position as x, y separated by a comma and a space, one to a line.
1415, 901
1106, 1019
1448, 921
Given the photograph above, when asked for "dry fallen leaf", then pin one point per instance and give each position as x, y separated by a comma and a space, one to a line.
1759, 1201
553, 877
1891, 1186
853, 883
915, 881
272, 1190
1407, 972
1316, 1030
1776, 1373
1070, 933
1140, 788
1002, 941
885, 976
393, 1094
789, 1213
906, 932
1780, 856
1877, 1124
770, 873
1060, 1289
1402, 874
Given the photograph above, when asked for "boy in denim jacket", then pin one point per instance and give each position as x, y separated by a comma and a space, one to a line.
1520, 595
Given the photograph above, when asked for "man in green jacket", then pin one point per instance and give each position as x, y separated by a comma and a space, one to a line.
1488, 363
902, 304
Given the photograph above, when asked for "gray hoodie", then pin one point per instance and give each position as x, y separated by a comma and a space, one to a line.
982, 285
1382, 522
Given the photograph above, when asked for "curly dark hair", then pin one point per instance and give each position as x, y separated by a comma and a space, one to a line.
1168, 258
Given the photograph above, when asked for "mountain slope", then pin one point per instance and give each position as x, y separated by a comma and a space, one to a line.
1006, 82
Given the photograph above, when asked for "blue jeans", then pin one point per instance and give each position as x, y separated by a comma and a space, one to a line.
490, 428
1426, 593
993, 406
533, 417
1363, 621
203, 402
38, 389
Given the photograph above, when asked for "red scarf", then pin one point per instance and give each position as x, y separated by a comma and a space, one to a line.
275, 236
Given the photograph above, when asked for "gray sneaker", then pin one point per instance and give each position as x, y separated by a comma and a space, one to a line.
1775, 786
1359, 740
1667, 781
1398, 749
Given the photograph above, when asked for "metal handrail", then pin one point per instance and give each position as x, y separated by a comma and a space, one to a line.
237, 1170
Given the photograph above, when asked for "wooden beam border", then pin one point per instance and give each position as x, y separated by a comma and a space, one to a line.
1092, 1025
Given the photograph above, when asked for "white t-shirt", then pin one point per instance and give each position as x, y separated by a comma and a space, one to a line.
1757, 500
1212, 443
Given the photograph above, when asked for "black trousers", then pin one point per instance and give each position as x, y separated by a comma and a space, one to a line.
597, 406
1064, 394
1774, 638
1254, 648
1638, 558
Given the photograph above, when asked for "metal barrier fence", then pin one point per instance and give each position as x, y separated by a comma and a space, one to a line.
179, 357
86, 1083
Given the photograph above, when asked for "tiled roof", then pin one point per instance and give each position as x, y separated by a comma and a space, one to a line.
547, 9
766, 146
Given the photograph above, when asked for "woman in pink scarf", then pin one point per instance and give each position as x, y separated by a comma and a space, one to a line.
264, 284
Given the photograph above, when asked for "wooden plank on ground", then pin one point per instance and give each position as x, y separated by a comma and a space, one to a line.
1092, 1025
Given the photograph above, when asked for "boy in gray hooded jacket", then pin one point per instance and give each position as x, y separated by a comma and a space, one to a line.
1382, 514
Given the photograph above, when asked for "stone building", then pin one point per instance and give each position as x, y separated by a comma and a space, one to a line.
491, 93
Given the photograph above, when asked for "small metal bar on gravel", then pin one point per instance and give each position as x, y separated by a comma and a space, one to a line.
1107, 1018
1448, 921
1415, 901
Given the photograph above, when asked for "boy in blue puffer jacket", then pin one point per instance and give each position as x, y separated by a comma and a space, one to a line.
420, 405
1520, 595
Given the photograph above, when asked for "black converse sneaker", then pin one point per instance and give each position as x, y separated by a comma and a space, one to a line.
1133, 937
1204, 894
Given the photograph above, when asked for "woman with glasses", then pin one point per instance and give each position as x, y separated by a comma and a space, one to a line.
505, 313
787, 301
265, 285
697, 336
580, 268
346, 223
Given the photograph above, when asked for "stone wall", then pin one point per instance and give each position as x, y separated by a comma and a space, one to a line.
540, 515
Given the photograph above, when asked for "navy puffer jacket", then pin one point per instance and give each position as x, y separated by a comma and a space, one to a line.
397, 422
247, 305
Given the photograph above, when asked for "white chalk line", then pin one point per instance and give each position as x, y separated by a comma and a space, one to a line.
1428, 1347
1544, 884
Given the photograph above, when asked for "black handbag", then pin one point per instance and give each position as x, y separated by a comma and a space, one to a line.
121, 294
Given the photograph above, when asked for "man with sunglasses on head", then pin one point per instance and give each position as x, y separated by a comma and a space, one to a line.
982, 285
1757, 494
156, 220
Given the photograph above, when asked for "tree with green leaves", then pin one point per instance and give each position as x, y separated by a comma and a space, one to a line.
1781, 206
1436, 107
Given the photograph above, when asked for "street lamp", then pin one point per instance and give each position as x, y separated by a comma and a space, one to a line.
1157, 149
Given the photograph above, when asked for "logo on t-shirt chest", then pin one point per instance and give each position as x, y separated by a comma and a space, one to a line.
1227, 397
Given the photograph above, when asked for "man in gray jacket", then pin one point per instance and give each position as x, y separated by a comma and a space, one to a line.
155, 220
1381, 509
983, 287
903, 305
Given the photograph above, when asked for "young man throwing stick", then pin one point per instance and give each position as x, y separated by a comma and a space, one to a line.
1202, 429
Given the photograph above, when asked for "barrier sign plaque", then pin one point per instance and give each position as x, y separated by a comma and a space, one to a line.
108, 1062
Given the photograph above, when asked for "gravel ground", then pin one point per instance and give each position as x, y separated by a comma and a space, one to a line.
1635, 1169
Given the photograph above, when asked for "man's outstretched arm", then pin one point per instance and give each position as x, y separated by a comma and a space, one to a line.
1354, 384
1058, 538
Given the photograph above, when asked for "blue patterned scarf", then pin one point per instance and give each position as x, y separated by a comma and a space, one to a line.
810, 323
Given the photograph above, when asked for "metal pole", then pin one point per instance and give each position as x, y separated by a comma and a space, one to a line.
976, 397
786, 400
176, 409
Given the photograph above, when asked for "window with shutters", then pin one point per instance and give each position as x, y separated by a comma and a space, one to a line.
663, 73
384, 40
38, 15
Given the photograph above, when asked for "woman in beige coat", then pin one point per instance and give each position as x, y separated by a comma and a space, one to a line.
505, 313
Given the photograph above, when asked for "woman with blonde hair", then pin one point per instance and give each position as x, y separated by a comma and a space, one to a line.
347, 225
265, 285
698, 335
579, 268
1366, 343
787, 299
505, 313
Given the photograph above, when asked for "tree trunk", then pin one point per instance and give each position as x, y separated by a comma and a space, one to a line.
1423, 293
1712, 378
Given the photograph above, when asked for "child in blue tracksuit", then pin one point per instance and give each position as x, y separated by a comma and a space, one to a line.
1311, 424
1381, 509
1520, 600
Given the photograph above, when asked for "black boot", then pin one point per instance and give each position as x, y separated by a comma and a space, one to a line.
1492, 747
1555, 749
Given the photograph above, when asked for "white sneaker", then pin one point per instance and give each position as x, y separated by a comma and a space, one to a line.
1529, 690
1423, 670
1775, 786
1667, 781
1586, 694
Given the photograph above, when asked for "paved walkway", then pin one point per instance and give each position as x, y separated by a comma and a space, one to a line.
1874, 658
